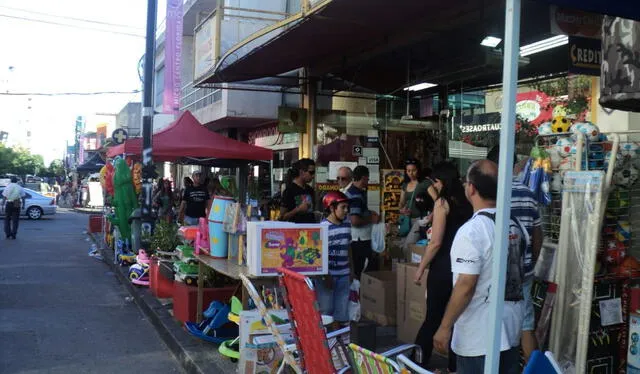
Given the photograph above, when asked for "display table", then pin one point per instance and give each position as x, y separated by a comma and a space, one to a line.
230, 269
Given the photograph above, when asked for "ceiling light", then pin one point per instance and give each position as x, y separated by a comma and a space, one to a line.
420, 86
490, 41
543, 45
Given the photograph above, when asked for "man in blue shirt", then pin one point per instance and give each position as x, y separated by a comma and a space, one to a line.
361, 220
524, 206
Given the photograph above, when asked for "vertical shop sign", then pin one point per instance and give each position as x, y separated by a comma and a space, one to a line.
172, 57
585, 56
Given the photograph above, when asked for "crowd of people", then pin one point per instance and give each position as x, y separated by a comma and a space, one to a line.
458, 257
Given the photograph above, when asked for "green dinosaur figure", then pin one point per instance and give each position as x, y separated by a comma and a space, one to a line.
124, 199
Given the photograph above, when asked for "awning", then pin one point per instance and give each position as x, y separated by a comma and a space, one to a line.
358, 39
187, 140
92, 165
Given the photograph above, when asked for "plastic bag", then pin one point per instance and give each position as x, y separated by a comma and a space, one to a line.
354, 301
377, 237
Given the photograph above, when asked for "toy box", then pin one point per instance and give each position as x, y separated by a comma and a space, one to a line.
259, 353
301, 248
633, 353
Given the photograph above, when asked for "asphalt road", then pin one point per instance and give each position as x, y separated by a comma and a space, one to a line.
62, 311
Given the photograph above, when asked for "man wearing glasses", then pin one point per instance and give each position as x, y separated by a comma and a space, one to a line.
344, 178
298, 197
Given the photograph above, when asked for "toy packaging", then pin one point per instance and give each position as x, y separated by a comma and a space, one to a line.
633, 354
259, 353
301, 248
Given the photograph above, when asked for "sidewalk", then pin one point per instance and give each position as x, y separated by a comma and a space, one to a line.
195, 355
87, 210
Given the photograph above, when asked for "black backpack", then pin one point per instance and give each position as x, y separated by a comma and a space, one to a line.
515, 259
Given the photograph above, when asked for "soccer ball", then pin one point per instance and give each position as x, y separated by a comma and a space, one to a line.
554, 156
619, 160
556, 182
626, 177
545, 129
629, 149
565, 165
563, 146
560, 124
590, 131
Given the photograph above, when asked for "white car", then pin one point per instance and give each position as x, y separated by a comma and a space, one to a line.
36, 205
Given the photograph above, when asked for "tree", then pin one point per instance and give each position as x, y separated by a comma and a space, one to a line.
55, 169
19, 161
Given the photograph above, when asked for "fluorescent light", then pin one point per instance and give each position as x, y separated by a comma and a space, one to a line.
490, 41
420, 86
543, 45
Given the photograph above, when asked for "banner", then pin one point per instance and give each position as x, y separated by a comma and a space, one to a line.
172, 58
204, 51
585, 56
565, 21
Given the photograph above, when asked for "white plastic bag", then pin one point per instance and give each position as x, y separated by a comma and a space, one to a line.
354, 301
377, 237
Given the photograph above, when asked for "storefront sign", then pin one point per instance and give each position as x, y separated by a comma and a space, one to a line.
575, 22
292, 120
205, 55
532, 106
480, 123
585, 56
172, 58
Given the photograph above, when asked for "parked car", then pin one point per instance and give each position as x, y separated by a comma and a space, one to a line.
36, 205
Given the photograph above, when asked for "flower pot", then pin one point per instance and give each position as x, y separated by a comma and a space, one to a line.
160, 286
185, 300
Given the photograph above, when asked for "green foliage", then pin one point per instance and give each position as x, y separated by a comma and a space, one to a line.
165, 237
20, 161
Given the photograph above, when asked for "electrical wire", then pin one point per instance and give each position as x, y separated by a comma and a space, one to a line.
69, 93
72, 18
72, 26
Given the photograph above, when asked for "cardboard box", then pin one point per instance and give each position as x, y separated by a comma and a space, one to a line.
377, 299
416, 253
412, 308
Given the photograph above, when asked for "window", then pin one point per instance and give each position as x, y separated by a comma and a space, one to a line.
158, 87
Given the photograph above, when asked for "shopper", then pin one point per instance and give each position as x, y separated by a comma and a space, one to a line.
471, 263
415, 187
164, 200
524, 206
195, 201
333, 289
451, 211
361, 219
13, 196
298, 198
344, 178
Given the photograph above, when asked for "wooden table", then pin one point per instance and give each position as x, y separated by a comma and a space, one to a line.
230, 269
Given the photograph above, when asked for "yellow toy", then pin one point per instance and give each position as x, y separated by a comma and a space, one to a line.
136, 174
560, 124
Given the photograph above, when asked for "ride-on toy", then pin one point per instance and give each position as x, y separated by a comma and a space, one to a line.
216, 327
139, 272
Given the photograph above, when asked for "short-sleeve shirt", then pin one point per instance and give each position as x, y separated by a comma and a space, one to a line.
359, 206
339, 241
472, 253
295, 195
13, 192
196, 199
524, 206
420, 191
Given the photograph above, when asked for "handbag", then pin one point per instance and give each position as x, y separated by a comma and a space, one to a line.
404, 222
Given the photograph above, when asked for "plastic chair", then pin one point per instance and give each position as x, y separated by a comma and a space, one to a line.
314, 345
542, 363
368, 362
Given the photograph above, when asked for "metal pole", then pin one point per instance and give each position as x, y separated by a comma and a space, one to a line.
148, 171
505, 176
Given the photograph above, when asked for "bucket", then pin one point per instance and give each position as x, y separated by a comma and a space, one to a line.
95, 223
160, 286
218, 239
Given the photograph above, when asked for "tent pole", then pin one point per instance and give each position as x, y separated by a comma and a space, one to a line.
505, 176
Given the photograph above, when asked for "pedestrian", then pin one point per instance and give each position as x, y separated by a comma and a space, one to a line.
13, 195
344, 178
195, 201
163, 200
298, 198
333, 289
524, 206
451, 210
57, 190
361, 219
471, 263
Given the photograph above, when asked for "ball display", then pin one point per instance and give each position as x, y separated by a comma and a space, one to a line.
560, 124
563, 146
565, 165
545, 129
556, 182
590, 131
627, 176
619, 160
629, 149
554, 156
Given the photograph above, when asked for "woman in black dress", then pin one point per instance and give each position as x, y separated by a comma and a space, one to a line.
451, 210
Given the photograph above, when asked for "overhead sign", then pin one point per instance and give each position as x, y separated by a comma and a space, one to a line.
585, 56
479, 123
292, 120
119, 136
574, 22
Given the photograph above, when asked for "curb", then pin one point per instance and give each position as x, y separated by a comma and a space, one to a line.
187, 350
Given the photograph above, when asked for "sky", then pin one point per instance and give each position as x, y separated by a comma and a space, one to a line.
38, 57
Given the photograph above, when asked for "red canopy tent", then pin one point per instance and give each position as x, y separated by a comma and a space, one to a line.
186, 138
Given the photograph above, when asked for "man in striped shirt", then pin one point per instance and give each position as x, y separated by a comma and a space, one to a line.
333, 288
524, 206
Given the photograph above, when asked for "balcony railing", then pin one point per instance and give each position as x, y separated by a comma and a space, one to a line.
194, 98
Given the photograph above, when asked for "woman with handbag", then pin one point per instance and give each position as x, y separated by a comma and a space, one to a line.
415, 190
451, 210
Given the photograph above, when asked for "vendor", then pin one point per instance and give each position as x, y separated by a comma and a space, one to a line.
416, 198
195, 201
298, 197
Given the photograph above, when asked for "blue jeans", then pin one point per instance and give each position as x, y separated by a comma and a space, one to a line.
191, 221
509, 363
335, 301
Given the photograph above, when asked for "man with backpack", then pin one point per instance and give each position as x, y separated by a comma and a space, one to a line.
472, 254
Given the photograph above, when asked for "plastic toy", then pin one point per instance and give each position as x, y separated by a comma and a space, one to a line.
556, 182
629, 149
187, 273
616, 252
560, 124
202, 237
563, 146
136, 177
125, 200
545, 129
108, 179
554, 156
623, 231
626, 177
139, 272
231, 348
216, 328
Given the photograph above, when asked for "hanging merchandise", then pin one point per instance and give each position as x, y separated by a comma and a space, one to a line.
538, 174
108, 179
136, 176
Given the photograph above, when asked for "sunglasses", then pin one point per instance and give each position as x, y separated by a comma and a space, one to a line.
410, 162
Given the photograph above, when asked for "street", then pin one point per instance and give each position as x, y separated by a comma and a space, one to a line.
62, 311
